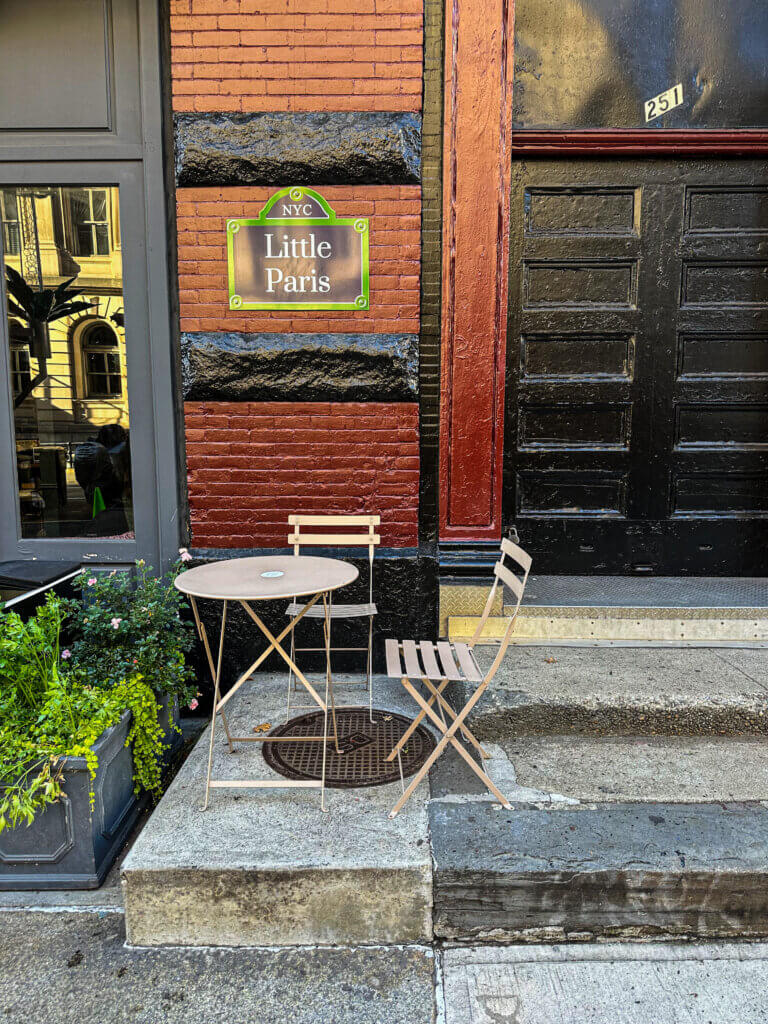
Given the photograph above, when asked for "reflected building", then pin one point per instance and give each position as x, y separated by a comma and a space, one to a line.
70, 397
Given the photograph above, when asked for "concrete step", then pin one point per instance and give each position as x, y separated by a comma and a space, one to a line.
267, 867
588, 872
639, 785
608, 690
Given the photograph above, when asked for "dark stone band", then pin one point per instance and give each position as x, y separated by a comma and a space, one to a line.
300, 367
376, 148
404, 588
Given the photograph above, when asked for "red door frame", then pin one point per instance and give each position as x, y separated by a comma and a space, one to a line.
478, 147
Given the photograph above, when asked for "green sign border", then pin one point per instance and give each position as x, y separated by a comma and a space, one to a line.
360, 224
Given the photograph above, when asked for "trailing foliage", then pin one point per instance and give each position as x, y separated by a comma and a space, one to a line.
129, 623
50, 711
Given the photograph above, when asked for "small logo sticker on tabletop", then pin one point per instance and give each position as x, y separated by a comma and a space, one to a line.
273, 574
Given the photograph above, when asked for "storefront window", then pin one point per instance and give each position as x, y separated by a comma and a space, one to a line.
65, 327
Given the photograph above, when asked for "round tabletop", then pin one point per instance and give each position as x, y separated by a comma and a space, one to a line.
266, 578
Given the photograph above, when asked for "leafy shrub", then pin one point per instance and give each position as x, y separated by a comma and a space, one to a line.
131, 623
50, 711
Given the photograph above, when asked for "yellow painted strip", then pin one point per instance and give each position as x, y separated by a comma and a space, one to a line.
462, 627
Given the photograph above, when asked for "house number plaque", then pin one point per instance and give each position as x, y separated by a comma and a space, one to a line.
297, 254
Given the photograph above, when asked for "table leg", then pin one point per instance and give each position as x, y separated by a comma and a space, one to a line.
216, 684
328, 675
204, 637
274, 643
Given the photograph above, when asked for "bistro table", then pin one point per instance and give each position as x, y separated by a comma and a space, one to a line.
267, 578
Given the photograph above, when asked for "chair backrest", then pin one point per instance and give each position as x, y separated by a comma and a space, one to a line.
516, 580
320, 531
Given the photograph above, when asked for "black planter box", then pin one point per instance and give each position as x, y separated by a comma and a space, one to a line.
68, 846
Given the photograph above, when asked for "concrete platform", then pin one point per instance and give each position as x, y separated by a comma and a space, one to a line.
267, 867
607, 984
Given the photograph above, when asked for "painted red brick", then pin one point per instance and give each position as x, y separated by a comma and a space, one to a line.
394, 212
255, 55
250, 464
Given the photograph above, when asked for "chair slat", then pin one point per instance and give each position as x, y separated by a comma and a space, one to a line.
393, 659
467, 663
446, 660
337, 611
429, 660
330, 539
411, 658
521, 557
302, 520
514, 584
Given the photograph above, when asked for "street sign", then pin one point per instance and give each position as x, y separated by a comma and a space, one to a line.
297, 254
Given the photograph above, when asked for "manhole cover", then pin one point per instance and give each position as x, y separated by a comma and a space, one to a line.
364, 748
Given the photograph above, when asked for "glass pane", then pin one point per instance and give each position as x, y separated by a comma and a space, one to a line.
71, 415
12, 239
9, 201
99, 205
102, 239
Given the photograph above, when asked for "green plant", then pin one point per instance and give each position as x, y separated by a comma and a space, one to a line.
49, 711
39, 308
131, 623
42, 306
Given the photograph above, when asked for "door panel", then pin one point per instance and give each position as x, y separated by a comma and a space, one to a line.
637, 374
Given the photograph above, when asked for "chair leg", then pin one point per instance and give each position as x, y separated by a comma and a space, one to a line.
449, 736
465, 732
413, 726
369, 667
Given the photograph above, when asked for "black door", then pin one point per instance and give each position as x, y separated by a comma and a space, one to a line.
637, 375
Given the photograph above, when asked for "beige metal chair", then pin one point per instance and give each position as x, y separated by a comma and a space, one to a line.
361, 532
443, 662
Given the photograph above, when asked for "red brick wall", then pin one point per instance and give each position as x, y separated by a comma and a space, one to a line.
248, 55
250, 464
394, 212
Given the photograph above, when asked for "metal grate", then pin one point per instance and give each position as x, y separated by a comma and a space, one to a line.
645, 592
364, 748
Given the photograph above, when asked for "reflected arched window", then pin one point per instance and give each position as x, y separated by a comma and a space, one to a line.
101, 361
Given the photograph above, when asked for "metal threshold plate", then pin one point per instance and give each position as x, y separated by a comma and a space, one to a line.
364, 748
645, 592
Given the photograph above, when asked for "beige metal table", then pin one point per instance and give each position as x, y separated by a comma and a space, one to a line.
267, 578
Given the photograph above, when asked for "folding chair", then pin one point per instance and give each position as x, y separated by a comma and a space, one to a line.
363, 534
442, 662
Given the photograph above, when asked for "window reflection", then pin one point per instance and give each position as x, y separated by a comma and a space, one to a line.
64, 282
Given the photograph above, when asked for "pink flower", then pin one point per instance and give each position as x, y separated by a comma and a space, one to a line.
193, 704
91, 581
116, 623
184, 555
66, 653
